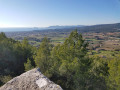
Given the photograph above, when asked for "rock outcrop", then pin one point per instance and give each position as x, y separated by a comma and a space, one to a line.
31, 80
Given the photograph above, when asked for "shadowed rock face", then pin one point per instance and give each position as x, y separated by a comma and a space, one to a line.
31, 80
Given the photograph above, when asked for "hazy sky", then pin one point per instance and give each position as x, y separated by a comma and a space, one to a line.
42, 13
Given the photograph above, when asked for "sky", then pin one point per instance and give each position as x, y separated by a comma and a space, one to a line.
43, 13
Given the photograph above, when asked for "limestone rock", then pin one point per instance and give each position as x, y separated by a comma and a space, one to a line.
31, 80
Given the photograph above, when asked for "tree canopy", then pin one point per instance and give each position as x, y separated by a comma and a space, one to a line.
67, 64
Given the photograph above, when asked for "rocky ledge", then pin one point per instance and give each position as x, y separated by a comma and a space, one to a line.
31, 80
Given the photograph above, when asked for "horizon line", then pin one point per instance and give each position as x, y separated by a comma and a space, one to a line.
58, 25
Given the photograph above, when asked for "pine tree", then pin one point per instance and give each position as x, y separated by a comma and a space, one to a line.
42, 59
72, 63
22, 52
28, 65
113, 80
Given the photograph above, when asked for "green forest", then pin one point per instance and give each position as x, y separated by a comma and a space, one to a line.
68, 64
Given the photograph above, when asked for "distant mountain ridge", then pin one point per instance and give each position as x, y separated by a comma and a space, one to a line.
101, 28
80, 28
63, 27
37, 28
93, 28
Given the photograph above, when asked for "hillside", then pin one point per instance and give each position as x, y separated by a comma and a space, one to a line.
101, 28
96, 35
67, 29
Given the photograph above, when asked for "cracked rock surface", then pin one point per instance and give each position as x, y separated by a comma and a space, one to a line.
31, 80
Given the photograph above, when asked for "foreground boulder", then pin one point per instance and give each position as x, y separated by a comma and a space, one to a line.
31, 80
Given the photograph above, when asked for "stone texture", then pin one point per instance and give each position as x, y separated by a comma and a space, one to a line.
31, 80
